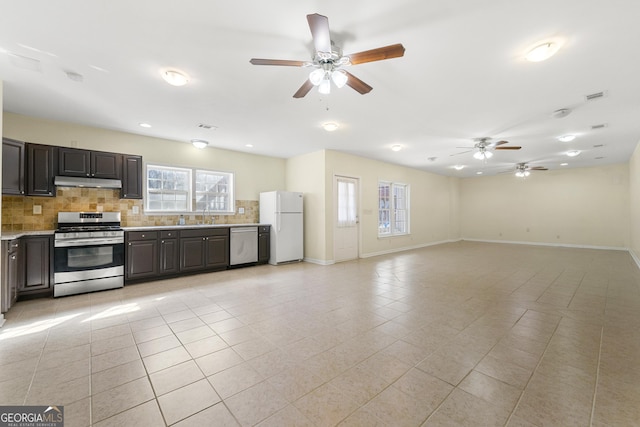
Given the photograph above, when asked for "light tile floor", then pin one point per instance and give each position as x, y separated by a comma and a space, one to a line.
457, 334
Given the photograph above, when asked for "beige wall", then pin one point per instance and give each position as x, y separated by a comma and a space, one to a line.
431, 202
634, 191
253, 173
306, 173
585, 207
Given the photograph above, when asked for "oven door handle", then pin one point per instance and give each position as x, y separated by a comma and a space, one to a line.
88, 242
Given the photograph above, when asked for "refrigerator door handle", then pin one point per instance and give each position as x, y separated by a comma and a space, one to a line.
278, 221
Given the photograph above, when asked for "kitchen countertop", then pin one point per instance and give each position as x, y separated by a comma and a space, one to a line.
189, 226
10, 235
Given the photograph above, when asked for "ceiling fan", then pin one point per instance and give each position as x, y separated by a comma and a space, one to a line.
483, 148
523, 170
328, 61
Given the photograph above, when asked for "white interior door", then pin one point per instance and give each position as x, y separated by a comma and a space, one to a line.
346, 222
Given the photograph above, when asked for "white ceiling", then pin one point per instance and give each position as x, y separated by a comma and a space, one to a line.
463, 75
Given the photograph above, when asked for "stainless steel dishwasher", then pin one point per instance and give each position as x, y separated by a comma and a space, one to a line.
243, 245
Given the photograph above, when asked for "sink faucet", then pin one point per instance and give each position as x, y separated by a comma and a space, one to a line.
204, 210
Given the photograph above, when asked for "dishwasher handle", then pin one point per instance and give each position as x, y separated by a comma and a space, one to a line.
244, 230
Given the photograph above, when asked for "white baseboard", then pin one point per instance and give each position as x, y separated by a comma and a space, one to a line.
560, 245
635, 258
319, 261
407, 248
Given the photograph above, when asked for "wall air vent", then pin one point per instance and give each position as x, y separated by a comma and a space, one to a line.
205, 126
594, 96
600, 126
598, 145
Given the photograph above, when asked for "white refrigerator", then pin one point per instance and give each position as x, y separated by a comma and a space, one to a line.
283, 211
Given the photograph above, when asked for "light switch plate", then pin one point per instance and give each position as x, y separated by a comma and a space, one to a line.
240, 211
135, 210
37, 209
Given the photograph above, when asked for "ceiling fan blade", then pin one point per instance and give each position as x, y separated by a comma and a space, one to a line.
462, 152
500, 143
357, 84
319, 26
304, 89
539, 168
515, 147
284, 62
387, 52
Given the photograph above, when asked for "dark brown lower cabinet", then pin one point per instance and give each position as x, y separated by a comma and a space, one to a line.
37, 255
217, 252
142, 254
12, 267
169, 252
264, 244
204, 249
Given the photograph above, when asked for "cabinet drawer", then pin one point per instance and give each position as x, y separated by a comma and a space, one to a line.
142, 235
205, 232
169, 234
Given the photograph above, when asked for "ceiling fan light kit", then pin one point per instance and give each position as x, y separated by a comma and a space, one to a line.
329, 60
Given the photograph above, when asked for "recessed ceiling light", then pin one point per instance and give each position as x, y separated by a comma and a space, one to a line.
199, 143
249, 145
566, 138
559, 114
330, 126
478, 173
174, 77
564, 164
542, 51
145, 125
396, 147
458, 167
573, 153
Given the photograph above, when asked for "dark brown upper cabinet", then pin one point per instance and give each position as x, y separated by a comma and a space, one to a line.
90, 164
41, 169
131, 177
12, 167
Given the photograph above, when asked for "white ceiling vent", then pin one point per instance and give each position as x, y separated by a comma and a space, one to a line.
600, 126
594, 96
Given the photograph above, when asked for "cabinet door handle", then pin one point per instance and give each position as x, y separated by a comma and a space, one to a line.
143, 236
162, 242
129, 243
13, 257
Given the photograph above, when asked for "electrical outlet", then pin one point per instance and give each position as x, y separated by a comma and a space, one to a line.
37, 209
241, 211
135, 210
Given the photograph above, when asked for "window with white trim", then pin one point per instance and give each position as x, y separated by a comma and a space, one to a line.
173, 189
393, 208
214, 191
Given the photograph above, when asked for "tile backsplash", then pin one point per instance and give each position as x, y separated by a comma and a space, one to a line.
18, 211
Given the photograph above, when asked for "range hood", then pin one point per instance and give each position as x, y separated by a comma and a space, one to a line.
72, 181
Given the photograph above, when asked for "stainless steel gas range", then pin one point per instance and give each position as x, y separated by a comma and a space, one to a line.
88, 253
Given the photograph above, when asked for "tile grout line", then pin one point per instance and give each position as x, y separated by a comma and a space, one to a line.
595, 387
533, 372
